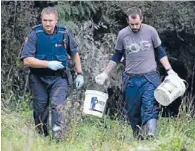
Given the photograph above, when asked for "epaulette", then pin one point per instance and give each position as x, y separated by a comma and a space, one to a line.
61, 28
38, 28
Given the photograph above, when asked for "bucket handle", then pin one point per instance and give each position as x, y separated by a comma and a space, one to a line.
100, 87
186, 83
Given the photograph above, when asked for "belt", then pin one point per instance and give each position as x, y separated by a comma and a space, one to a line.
46, 72
140, 74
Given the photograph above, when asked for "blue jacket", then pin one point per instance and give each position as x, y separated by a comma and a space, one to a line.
51, 47
43, 46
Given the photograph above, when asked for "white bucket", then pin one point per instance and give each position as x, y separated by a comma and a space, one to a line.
95, 102
169, 90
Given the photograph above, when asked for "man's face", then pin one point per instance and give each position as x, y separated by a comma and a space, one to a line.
49, 21
135, 23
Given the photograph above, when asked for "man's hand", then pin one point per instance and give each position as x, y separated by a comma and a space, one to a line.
101, 78
171, 72
55, 65
79, 81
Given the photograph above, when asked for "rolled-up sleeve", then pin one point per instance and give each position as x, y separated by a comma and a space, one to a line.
160, 52
117, 56
119, 48
29, 47
71, 44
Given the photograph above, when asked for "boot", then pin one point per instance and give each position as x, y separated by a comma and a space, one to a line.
137, 133
57, 133
151, 128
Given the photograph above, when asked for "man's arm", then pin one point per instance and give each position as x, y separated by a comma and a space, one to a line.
73, 52
165, 62
162, 56
28, 53
35, 63
77, 61
100, 79
116, 58
119, 52
79, 81
113, 62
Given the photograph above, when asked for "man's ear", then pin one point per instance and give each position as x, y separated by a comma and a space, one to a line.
142, 19
57, 20
127, 20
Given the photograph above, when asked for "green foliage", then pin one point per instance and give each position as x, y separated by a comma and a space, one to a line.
17, 18
95, 26
71, 14
91, 133
23, 106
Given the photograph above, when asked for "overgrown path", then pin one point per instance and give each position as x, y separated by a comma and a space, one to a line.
92, 134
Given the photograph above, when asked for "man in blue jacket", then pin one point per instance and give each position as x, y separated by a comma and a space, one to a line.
138, 43
46, 52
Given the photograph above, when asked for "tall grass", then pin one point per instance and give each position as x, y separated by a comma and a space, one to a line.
95, 134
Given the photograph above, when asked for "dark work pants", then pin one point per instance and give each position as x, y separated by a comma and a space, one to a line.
140, 104
48, 90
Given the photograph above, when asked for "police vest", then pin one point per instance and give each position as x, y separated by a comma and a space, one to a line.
50, 47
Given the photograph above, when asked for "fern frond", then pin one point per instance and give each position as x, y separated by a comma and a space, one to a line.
74, 11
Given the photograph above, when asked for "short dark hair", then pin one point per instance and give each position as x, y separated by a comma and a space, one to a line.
133, 12
49, 10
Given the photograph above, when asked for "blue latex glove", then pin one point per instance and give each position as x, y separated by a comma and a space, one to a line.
79, 81
55, 65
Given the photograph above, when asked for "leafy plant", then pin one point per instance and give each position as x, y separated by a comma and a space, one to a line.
71, 13
16, 23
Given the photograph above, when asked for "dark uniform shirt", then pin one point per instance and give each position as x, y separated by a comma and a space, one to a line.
29, 48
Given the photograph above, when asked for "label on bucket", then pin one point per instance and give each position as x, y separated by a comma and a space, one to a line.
95, 102
169, 85
97, 105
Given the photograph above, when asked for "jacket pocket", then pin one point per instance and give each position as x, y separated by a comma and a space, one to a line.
41, 57
61, 58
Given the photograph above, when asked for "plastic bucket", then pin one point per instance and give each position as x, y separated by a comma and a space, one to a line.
95, 102
169, 90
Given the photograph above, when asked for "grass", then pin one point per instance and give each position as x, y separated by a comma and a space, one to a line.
95, 134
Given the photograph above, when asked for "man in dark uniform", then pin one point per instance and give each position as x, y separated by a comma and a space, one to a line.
46, 52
